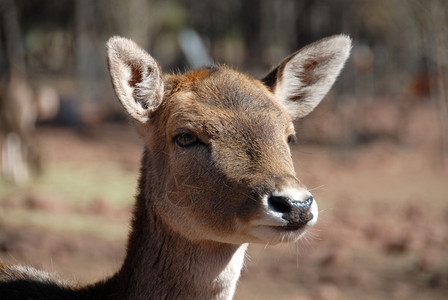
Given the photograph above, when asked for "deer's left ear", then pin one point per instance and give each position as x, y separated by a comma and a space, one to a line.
301, 81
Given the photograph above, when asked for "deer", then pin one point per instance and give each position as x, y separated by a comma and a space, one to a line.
216, 173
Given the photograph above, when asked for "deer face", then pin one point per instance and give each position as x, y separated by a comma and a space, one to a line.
217, 141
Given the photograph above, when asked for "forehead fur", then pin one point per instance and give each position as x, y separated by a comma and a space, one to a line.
223, 87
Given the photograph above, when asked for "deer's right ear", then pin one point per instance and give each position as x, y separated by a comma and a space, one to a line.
136, 77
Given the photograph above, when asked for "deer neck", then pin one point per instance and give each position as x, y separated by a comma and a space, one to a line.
161, 264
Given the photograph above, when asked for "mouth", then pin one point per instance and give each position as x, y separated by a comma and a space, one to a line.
288, 227
278, 234
275, 233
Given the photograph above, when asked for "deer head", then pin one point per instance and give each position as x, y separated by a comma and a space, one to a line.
217, 163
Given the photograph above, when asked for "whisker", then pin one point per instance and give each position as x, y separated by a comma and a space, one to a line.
316, 188
324, 210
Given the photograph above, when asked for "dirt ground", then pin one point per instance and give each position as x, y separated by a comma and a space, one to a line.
382, 232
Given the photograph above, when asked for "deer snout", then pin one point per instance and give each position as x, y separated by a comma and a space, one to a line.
297, 211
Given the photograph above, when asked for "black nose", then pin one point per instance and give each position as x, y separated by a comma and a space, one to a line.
296, 213
285, 205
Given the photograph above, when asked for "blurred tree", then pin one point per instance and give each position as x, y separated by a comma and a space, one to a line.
431, 74
251, 28
18, 110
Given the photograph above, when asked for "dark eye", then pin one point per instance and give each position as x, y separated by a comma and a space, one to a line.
185, 139
292, 139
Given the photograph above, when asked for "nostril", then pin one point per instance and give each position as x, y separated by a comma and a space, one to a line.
280, 204
304, 204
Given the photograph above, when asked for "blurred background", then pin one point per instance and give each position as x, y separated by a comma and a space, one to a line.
375, 152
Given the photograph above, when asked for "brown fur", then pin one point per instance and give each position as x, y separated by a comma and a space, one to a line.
229, 180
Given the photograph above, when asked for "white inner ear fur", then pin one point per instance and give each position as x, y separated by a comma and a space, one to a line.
308, 75
136, 78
